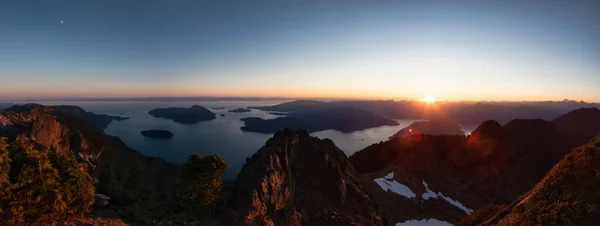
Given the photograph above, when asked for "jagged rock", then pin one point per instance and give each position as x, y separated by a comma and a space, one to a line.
296, 179
102, 201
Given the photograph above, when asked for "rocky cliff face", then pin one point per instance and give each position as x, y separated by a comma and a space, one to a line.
445, 178
51, 127
296, 179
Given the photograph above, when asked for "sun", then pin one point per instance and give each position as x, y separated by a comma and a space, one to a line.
430, 99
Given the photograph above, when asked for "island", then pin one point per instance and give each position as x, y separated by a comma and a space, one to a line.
156, 133
218, 108
182, 115
240, 110
278, 113
343, 119
432, 127
222, 115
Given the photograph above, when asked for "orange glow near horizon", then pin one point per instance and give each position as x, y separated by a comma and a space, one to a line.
430, 99
286, 90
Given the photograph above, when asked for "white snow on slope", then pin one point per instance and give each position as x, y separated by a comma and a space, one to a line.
430, 194
389, 184
424, 222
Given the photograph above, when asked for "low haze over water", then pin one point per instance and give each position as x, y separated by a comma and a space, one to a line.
221, 136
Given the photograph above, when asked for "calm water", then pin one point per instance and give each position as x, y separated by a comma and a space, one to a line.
221, 136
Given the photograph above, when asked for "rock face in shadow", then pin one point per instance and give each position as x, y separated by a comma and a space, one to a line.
296, 179
494, 165
343, 119
239, 110
156, 133
579, 126
567, 195
432, 127
192, 115
100, 121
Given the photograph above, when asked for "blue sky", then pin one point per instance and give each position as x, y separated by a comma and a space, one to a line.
466, 50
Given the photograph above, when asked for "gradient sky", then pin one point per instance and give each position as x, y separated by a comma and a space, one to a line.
475, 50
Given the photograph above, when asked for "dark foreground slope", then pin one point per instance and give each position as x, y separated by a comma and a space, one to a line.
568, 195
296, 179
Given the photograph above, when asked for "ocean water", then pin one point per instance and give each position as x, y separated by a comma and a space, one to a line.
221, 136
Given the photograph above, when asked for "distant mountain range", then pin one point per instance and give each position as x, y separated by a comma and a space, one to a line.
459, 112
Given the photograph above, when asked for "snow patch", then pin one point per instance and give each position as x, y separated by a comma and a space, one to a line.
430, 194
390, 176
424, 222
389, 184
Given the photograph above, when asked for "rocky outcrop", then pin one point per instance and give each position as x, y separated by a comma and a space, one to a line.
296, 179
444, 178
192, 115
102, 201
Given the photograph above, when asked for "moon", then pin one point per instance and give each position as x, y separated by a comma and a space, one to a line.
62, 22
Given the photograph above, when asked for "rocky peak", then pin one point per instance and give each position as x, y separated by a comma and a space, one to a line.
488, 129
296, 179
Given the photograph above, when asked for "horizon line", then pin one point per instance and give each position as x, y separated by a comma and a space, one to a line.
258, 98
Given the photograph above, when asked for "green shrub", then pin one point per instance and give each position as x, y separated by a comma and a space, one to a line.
43, 186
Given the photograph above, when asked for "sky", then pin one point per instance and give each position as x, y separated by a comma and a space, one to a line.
455, 50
